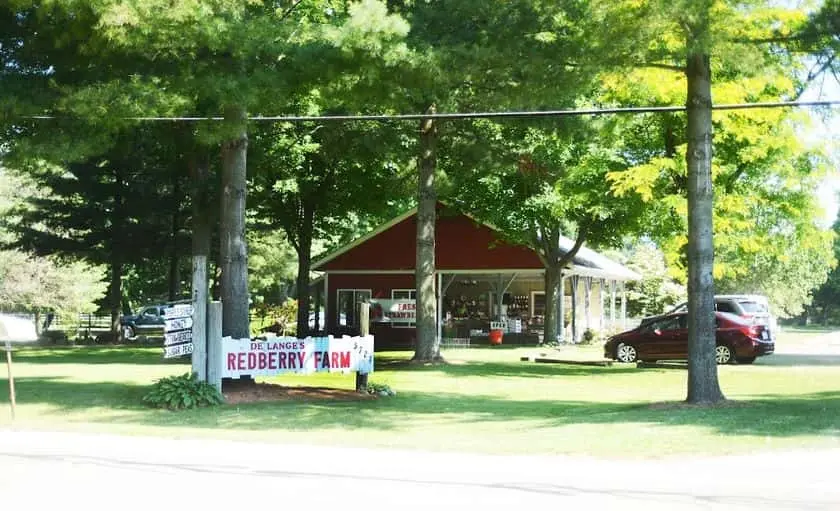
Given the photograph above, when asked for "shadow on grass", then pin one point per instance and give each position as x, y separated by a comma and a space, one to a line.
766, 415
505, 369
799, 359
70, 395
810, 329
96, 355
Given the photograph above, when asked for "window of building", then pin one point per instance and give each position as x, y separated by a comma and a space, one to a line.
403, 294
348, 305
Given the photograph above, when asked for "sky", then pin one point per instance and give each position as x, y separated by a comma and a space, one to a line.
827, 131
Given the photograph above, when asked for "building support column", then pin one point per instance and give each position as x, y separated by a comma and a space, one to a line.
587, 297
602, 283
439, 290
326, 303
561, 311
575, 282
319, 293
612, 305
623, 307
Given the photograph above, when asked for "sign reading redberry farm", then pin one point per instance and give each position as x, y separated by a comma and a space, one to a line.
278, 355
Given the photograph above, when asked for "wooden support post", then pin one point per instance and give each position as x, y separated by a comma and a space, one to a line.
587, 306
601, 284
326, 325
623, 307
214, 344
199, 328
364, 330
11, 377
561, 312
575, 281
439, 287
318, 296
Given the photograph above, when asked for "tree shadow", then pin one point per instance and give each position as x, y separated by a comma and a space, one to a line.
799, 359
72, 395
96, 355
512, 369
769, 415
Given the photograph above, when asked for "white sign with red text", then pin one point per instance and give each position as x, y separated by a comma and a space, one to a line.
279, 355
397, 311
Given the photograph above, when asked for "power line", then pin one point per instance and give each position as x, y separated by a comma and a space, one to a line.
481, 115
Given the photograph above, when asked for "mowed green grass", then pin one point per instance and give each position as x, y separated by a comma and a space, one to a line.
482, 400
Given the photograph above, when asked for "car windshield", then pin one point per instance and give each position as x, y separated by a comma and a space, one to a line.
753, 307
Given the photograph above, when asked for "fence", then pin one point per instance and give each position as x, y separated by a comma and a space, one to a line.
454, 342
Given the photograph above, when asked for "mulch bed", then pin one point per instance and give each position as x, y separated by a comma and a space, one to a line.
263, 392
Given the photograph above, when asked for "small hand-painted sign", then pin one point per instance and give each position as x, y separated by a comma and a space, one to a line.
179, 337
179, 310
178, 350
173, 325
177, 330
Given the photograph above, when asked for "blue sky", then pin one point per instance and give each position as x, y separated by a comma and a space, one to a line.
827, 131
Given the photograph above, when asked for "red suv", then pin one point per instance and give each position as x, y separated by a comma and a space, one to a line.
666, 338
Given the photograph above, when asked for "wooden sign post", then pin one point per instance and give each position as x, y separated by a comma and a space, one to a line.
364, 323
11, 377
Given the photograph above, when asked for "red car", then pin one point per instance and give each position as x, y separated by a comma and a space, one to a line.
667, 339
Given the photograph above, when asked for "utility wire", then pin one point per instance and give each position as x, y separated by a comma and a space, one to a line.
482, 115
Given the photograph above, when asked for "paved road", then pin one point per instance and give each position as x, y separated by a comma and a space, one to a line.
111, 472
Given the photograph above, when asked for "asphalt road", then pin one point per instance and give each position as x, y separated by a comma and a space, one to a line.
38, 470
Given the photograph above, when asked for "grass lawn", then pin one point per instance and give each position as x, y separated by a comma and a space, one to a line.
483, 400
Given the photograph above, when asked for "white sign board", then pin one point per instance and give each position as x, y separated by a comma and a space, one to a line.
17, 329
171, 325
177, 350
179, 310
180, 337
280, 355
398, 311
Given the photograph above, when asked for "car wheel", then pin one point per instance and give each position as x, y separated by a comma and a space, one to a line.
128, 332
745, 360
723, 354
626, 353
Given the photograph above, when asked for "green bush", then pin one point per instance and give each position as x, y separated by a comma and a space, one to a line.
379, 389
180, 392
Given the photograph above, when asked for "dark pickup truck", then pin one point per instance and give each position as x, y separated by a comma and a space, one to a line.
148, 321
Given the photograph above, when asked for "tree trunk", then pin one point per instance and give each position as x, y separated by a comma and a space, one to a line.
174, 276
703, 386
304, 250
115, 296
428, 344
552, 323
116, 263
555, 263
233, 250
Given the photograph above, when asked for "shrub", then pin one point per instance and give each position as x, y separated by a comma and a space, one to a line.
589, 335
379, 389
180, 392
